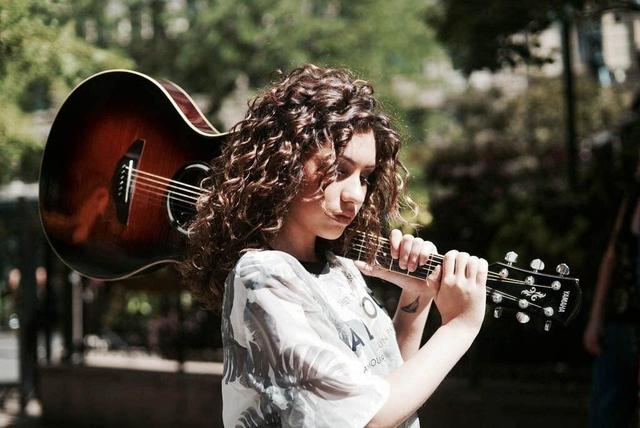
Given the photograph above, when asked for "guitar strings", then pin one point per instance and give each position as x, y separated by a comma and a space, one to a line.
488, 290
186, 186
158, 191
491, 291
492, 275
159, 200
162, 193
140, 178
175, 196
185, 197
430, 264
428, 267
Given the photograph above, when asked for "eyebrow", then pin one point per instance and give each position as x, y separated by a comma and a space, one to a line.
352, 162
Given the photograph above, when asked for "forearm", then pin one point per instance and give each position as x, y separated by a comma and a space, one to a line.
606, 268
409, 320
602, 285
414, 382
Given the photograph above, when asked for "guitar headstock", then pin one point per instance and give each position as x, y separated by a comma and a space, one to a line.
533, 293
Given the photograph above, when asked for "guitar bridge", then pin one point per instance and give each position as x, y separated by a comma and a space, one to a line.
124, 180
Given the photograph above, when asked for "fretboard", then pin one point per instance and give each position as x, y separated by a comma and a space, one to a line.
361, 246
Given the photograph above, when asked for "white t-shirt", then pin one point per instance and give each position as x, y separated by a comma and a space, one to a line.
303, 349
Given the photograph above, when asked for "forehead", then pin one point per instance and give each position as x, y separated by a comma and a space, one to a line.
361, 149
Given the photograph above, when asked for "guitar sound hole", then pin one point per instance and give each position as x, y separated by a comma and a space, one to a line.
182, 194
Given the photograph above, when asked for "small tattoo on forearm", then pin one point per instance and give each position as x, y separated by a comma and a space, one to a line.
412, 307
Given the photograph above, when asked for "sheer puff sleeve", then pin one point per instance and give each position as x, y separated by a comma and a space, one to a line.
296, 360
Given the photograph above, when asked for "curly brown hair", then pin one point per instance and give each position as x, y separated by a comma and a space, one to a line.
260, 170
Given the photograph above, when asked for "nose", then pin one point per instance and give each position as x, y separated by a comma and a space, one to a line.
353, 191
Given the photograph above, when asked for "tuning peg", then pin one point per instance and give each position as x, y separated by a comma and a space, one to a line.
537, 265
522, 317
511, 257
547, 325
496, 297
497, 312
563, 269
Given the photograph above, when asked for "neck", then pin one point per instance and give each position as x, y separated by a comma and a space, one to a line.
298, 245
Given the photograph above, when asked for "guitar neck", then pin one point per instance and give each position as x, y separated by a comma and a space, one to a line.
530, 292
359, 251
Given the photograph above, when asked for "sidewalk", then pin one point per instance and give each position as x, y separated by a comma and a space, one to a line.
10, 412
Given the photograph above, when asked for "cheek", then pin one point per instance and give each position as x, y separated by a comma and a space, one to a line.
308, 204
332, 195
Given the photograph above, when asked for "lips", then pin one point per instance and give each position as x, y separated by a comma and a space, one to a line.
343, 218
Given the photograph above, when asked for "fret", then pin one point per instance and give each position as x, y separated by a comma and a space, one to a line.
365, 244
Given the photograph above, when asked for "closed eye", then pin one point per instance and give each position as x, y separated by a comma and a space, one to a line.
364, 179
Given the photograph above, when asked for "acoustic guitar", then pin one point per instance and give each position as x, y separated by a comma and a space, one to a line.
122, 170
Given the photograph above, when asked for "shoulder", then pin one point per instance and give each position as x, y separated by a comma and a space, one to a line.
259, 268
267, 261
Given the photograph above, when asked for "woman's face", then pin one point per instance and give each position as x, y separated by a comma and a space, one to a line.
327, 213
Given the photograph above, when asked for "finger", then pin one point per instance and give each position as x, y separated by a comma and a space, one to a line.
366, 268
434, 279
405, 249
461, 266
395, 237
414, 255
428, 249
483, 270
472, 268
377, 272
448, 267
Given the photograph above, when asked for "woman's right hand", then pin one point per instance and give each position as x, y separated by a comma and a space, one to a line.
461, 299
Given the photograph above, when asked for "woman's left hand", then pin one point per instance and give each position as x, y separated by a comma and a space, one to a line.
411, 252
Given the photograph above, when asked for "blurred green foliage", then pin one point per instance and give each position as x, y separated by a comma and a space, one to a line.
488, 167
47, 47
41, 60
207, 45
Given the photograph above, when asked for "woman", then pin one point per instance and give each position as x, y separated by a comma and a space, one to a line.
314, 163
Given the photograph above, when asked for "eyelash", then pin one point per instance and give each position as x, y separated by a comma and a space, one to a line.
365, 180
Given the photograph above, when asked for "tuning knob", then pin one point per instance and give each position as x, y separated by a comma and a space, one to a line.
522, 317
497, 312
563, 269
511, 257
496, 298
537, 264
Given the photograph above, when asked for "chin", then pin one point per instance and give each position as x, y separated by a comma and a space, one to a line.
332, 234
